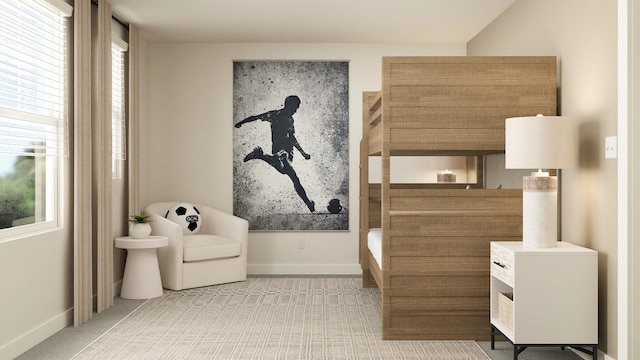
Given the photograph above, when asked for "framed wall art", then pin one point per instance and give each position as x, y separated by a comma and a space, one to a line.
291, 144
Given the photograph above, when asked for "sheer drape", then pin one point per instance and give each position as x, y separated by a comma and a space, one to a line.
82, 214
134, 120
92, 155
102, 153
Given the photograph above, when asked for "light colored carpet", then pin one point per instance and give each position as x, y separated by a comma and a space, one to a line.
266, 318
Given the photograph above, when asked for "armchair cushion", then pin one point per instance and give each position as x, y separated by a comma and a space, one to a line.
208, 247
187, 216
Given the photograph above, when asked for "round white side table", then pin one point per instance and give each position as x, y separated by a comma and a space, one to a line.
141, 278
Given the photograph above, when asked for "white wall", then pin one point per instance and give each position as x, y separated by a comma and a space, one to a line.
582, 34
187, 148
629, 271
36, 292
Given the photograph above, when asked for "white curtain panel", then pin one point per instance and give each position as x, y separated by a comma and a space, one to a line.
102, 148
82, 232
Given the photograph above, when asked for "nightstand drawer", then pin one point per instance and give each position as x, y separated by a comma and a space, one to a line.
502, 264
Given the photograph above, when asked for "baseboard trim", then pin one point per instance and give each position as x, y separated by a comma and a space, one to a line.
40, 333
304, 269
36, 335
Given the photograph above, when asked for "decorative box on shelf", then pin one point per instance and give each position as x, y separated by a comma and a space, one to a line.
505, 310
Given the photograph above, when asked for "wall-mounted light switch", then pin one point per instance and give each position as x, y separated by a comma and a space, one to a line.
610, 147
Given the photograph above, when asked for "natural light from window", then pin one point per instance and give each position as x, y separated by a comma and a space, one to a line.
33, 112
118, 141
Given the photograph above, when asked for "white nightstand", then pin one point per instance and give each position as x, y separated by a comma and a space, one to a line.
141, 278
554, 296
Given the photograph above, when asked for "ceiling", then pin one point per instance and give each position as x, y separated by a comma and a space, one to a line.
310, 21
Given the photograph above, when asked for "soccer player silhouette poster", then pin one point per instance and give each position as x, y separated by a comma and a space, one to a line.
291, 144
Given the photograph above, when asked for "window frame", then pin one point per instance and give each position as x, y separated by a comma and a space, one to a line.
54, 164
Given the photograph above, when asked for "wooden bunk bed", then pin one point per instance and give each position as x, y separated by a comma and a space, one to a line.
435, 238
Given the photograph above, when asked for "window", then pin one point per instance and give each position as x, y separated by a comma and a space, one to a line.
118, 132
33, 111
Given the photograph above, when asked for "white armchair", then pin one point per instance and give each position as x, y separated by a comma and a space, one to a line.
216, 255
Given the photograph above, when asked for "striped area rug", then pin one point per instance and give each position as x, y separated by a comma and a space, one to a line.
266, 318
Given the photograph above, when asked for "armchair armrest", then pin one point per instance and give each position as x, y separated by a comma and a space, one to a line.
221, 223
169, 257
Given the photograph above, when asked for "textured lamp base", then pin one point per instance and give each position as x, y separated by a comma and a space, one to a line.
540, 211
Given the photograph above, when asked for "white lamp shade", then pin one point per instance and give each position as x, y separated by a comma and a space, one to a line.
540, 142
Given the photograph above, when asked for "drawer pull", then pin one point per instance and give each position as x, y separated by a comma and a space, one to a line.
500, 264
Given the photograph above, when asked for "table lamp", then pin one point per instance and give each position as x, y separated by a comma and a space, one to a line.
540, 142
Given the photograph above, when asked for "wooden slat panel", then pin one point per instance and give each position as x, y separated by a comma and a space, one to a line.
375, 140
426, 192
436, 242
437, 305
437, 277
367, 279
374, 99
375, 117
374, 214
376, 273
432, 104
372, 117
429, 117
484, 97
461, 140
364, 191
375, 206
507, 206
414, 243
421, 286
439, 246
468, 327
477, 225
468, 200
440, 265
513, 236
470, 70
434, 152
375, 192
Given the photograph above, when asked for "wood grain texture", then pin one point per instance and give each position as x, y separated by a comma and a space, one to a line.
364, 203
422, 286
436, 237
375, 271
457, 104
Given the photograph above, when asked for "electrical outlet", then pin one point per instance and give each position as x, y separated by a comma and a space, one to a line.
301, 243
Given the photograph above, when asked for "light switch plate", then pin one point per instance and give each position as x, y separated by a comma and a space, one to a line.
610, 147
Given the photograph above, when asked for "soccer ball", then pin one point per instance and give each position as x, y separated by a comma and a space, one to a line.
185, 215
334, 206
